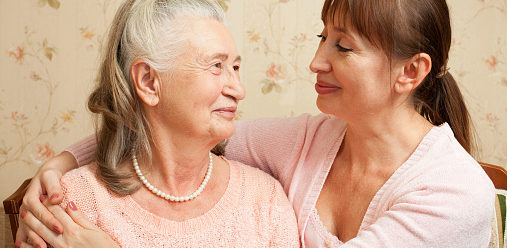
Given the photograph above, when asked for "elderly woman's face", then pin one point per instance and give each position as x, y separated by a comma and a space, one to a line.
200, 94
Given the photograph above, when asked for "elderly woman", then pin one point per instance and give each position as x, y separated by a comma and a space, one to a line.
167, 94
388, 164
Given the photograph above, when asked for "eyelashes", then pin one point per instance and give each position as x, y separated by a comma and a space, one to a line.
340, 48
219, 66
343, 49
322, 37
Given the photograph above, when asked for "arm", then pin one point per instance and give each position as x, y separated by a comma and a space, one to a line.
266, 143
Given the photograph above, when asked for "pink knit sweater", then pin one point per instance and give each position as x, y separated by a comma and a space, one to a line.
440, 197
253, 212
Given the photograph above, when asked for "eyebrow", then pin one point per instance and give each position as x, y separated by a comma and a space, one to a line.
339, 29
224, 56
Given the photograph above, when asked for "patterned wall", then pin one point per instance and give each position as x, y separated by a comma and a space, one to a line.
49, 56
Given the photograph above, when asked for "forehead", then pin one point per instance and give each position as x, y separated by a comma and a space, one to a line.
207, 36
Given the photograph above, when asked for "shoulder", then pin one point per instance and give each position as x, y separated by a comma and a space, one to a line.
448, 162
447, 177
82, 186
257, 185
82, 176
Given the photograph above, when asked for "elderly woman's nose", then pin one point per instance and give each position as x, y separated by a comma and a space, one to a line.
234, 88
320, 61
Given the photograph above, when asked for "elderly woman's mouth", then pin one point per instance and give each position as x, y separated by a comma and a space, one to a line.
227, 112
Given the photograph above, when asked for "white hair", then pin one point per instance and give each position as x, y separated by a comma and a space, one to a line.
152, 31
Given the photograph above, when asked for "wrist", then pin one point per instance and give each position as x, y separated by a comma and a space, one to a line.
63, 162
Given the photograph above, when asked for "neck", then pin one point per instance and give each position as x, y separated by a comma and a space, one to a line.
179, 161
383, 140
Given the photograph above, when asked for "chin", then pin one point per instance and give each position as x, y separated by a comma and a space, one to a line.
324, 106
223, 130
331, 108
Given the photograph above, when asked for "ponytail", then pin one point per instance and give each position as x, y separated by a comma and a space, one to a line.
439, 100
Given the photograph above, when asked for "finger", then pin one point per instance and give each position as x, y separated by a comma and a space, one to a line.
32, 193
62, 216
79, 217
38, 227
35, 240
22, 233
43, 214
24, 245
51, 181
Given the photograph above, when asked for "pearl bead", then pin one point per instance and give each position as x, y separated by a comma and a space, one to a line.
166, 196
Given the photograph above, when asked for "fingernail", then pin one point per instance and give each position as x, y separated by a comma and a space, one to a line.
17, 244
72, 206
23, 214
57, 229
42, 198
53, 196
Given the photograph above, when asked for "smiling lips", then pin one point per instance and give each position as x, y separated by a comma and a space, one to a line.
325, 88
228, 112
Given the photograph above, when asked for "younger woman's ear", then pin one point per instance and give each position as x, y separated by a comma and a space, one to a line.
413, 73
146, 81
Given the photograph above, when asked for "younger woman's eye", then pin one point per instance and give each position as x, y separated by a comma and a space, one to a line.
343, 49
322, 37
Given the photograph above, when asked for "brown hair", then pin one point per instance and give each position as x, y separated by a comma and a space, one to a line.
402, 29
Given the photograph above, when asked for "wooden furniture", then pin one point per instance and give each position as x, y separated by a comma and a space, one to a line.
497, 174
11, 205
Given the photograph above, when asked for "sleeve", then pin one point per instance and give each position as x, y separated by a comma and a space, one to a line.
84, 150
434, 214
283, 227
267, 143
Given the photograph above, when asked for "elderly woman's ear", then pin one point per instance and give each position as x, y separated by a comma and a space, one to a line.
147, 82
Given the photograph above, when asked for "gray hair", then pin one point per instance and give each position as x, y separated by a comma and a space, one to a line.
152, 32
142, 29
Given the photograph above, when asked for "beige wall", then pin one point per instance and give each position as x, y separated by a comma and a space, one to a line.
49, 56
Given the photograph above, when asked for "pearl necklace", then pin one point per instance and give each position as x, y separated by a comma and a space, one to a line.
169, 197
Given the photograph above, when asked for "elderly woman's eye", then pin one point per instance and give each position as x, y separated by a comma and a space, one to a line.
218, 65
236, 67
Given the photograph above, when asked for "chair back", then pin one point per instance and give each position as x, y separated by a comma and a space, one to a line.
12, 204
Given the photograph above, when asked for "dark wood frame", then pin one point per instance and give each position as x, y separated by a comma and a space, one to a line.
12, 204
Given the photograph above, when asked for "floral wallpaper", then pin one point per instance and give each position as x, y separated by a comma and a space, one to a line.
49, 53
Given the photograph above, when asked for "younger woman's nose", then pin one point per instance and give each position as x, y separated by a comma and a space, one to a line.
320, 62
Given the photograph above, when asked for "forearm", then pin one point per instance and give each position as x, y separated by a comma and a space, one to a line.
83, 152
64, 162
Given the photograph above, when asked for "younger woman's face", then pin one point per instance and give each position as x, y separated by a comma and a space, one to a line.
354, 78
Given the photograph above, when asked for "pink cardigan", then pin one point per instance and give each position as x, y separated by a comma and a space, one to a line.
253, 212
440, 197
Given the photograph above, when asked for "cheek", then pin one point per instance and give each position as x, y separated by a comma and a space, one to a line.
201, 92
